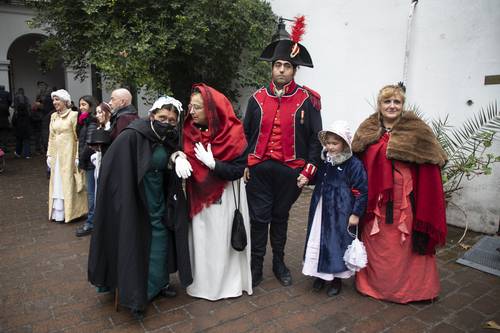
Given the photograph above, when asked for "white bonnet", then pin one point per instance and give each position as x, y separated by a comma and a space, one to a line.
164, 100
339, 127
62, 94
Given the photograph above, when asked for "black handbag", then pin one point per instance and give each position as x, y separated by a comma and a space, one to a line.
238, 232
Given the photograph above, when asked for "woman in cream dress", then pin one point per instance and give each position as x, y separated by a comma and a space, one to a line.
67, 195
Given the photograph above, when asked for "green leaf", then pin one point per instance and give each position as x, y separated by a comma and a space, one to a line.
466, 146
163, 46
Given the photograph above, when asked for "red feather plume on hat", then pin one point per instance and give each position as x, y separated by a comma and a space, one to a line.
298, 29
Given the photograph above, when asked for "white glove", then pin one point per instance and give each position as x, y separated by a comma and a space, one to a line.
205, 156
178, 153
183, 168
76, 163
48, 161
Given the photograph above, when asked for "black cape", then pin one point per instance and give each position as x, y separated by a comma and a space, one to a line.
121, 239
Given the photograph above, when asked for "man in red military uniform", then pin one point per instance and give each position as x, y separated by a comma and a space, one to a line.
281, 124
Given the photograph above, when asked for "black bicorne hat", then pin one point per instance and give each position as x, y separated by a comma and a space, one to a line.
288, 49
282, 50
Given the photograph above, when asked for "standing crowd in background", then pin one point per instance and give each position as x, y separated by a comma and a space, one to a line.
162, 194
29, 121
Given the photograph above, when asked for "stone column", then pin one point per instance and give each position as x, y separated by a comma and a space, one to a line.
4, 74
77, 88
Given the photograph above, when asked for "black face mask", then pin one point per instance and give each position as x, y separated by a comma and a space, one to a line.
166, 131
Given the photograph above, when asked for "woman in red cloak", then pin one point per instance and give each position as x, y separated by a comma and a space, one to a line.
214, 147
405, 218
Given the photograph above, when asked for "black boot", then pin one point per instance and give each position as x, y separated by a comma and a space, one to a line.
84, 230
278, 232
137, 314
259, 232
256, 276
168, 291
335, 287
318, 284
282, 272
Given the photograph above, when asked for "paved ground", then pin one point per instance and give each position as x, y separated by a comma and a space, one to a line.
43, 285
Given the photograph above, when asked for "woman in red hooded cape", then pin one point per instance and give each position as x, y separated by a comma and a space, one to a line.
215, 146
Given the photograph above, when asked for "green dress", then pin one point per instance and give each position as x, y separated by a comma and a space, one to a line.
155, 197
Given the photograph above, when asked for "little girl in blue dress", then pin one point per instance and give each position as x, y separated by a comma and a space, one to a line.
338, 201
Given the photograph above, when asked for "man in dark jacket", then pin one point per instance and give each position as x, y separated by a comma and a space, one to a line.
5, 102
281, 123
123, 112
48, 108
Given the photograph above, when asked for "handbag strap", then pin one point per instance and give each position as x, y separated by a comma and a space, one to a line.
351, 234
236, 203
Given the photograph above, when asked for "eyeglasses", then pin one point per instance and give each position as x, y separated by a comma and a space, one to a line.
196, 107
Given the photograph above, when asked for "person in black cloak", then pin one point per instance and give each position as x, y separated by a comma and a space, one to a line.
141, 218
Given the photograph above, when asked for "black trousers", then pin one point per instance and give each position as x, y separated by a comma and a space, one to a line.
4, 138
271, 192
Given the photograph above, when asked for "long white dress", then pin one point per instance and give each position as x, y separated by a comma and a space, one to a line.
57, 194
312, 250
218, 270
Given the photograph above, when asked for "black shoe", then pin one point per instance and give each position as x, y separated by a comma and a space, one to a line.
256, 279
84, 230
282, 273
137, 314
318, 284
334, 288
168, 291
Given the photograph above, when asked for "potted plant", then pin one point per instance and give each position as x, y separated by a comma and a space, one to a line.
467, 147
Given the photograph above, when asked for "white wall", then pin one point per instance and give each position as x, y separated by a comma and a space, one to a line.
452, 54
142, 106
25, 70
77, 88
12, 26
359, 46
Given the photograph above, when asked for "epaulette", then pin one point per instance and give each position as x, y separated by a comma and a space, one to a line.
260, 90
315, 98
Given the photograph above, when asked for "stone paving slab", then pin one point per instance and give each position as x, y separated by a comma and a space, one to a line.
43, 285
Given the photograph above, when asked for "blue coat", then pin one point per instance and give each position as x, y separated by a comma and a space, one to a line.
335, 184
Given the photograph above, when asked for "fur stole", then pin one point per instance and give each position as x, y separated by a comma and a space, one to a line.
412, 140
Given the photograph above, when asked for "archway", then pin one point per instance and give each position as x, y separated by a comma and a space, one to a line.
24, 69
